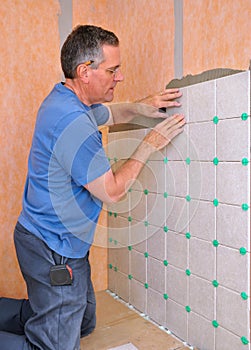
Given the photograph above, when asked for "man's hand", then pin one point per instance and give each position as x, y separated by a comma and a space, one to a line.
164, 99
161, 135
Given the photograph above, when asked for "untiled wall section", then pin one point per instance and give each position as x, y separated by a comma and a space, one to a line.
179, 243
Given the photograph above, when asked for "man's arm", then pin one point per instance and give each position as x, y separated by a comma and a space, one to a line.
147, 107
111, 187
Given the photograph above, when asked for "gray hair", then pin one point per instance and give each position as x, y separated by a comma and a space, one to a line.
85, 43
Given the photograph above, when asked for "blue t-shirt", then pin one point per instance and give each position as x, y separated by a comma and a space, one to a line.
66, 154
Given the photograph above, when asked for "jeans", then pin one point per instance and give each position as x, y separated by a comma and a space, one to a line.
54, 317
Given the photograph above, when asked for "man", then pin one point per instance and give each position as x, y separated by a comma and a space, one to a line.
69, 177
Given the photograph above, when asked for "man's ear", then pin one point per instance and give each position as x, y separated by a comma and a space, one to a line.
82, 72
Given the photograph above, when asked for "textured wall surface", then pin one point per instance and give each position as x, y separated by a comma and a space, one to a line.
216, 34
179, 243
29, 68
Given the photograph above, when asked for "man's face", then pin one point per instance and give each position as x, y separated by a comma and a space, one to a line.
104, 79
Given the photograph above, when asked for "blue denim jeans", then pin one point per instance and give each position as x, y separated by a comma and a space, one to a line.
55, 317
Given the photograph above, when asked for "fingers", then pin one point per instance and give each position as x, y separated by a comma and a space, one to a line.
167, 98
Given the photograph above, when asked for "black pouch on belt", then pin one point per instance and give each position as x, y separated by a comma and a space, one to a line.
61, 275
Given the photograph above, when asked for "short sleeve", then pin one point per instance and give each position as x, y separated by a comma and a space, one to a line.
101, 113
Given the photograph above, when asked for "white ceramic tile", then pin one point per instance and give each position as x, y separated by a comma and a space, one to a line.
200, 332
152, 177
202, 141
118, 229
156, 244
202, 220
202, 101
226, 340
138, 205
233, 94
232, 268
177, 178
124, 143
177, 285
177, 214
176, 250
232, 311
232, 183
138, 234
155, 176
202, 255
202, 180
156, 209
156, 274
122, 260
138, 266
112, 280
122, 286
177, 149
176, 319
137, 296
156, 306
201, 297
232, 225
233, 139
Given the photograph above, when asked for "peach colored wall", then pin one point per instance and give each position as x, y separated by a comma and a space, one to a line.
29, 68
216, 34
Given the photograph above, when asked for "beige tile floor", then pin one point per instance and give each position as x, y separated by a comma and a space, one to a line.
118, 325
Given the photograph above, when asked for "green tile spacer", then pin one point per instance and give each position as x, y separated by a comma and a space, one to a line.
215, 120
188, 235
188, 309
165, 296
215, 323
109, 213
243, 251
165, 160
146, 223
110, 239
215, 283
146, 285
146, 192
109, 159
129, 218
165, 195
216, 202
115, 242
130, 277
244, 340
110, 266
244, 295
130, 190
115, 215
146, 255
188, 272
129, 247
215, 243
165, 228
165, 262
245, 206
188, 198
188, 161
244, 161
115, 159
244, 116
216, 161
115, 269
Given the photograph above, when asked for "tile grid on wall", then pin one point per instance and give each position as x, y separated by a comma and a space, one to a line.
184, 268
